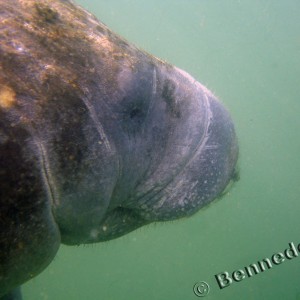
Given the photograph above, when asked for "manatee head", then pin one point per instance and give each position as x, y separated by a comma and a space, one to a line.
172, 150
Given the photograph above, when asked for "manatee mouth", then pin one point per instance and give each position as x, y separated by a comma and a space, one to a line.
122, 220
117, 222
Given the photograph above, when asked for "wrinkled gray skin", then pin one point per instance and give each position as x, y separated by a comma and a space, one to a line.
97, 137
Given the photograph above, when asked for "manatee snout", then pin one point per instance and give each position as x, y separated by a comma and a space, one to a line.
200, 152
195, 154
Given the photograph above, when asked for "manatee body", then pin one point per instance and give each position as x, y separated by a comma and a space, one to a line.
97, 137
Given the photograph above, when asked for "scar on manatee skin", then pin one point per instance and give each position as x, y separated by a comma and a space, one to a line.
7, 97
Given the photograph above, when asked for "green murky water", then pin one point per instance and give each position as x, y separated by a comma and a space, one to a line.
248, 54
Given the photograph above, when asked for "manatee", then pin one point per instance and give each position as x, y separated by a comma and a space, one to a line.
97, 137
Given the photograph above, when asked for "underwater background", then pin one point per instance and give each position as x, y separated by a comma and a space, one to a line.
248, 53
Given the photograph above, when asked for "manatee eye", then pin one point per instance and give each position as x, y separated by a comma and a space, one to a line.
133, 115
136, 111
